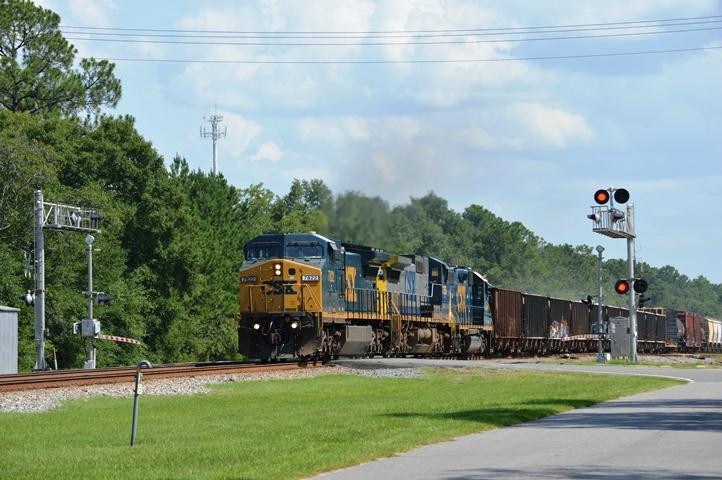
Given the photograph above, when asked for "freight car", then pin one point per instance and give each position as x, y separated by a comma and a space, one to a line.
303, 295
690, 332
531, 324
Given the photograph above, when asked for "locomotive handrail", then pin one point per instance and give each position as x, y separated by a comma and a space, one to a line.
265, 297
403, 304
313, 296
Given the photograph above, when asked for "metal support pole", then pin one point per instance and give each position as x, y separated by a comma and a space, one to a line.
89, 347
632, 296
215, 153
600, 350
134, 428
137, 391
39, 211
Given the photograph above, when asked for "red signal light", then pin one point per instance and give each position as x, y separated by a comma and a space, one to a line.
601, 196
621, 287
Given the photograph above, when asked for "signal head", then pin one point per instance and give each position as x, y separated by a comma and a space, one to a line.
640, 285
621, 287
621, 195
617, 214
28, 298
601, 196
596, 217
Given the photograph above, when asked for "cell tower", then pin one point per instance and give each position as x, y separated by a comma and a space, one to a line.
215, 133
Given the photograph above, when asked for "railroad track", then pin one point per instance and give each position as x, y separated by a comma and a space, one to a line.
64, 378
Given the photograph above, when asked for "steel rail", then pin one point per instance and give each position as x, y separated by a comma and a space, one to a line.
64, 378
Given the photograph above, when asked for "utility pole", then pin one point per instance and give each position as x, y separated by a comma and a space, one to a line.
214, 134
600, 280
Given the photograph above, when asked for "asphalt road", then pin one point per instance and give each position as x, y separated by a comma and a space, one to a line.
674, 433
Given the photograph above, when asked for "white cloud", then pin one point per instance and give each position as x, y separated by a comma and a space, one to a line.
355, 128
241, 132
552, 125
335, 130
267, 151
573, 11
252, 86
313, 129
95, 13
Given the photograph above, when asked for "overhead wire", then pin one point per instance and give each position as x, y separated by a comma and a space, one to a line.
382, 36
651, 27
321, 32
414, 61
343, 44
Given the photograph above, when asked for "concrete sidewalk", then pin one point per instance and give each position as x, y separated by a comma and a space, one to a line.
674, 433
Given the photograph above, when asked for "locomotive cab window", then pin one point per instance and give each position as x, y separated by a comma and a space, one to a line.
333, 253
304, 250
394, 276
260, 251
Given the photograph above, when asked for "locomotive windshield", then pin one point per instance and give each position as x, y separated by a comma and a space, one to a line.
260, 251
304, 250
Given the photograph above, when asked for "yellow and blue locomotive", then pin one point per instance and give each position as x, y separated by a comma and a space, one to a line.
303, 296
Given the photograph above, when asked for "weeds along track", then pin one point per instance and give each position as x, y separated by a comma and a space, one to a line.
65, 378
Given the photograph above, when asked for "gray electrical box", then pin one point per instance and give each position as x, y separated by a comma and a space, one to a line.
619, 336
89, 327
8, 339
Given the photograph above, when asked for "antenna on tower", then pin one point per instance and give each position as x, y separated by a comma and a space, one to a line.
215, 133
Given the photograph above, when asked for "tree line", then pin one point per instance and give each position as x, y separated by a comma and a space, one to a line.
172, 238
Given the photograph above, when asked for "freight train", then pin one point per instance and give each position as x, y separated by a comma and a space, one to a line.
304, 296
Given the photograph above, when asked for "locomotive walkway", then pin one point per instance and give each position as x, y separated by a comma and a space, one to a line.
674, 433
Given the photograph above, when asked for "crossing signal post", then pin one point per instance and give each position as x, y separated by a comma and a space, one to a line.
616, 223
600, 285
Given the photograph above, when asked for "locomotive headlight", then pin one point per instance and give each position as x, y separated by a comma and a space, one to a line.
294, 325
256, 326
277, 268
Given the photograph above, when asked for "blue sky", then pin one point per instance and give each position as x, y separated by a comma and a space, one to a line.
530, 140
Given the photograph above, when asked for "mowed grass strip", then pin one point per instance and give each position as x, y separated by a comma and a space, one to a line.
288, 428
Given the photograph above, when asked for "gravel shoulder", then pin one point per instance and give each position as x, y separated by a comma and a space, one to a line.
41, 400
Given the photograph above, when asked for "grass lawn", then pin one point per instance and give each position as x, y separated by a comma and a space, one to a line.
287, 428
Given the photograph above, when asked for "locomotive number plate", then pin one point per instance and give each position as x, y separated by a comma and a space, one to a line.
248, 279
310, 278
